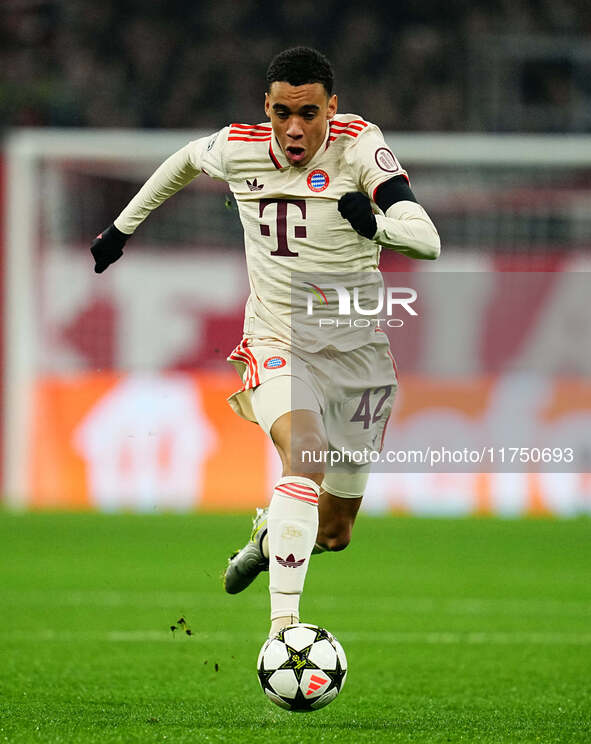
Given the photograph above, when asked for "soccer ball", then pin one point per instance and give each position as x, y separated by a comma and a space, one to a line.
303, 667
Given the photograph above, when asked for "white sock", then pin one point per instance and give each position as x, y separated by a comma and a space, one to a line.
282, 622
292, 527
265, 547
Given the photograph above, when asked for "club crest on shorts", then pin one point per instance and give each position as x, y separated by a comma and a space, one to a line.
274, 362
318, 180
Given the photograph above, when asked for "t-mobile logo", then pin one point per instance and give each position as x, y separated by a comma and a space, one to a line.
299, 231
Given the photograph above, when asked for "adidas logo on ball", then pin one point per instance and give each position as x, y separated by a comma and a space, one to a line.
316, 683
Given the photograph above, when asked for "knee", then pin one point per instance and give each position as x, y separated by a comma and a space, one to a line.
335, 538
335, 544
307, 448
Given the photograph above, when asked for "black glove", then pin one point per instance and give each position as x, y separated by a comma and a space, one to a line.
107, 247
356, 208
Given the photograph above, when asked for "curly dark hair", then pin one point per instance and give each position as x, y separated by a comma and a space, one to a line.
299, 66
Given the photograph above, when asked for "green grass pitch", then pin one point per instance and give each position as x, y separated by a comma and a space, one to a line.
456, 631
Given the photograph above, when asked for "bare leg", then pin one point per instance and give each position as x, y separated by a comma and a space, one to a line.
336, 517
296, 433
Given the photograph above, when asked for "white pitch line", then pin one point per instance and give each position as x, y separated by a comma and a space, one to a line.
466, 605
470, 637
387, 637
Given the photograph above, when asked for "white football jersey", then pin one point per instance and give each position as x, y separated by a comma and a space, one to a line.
290, 218
294, 235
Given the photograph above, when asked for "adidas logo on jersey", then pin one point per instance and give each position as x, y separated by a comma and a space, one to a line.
290, 561
254, 186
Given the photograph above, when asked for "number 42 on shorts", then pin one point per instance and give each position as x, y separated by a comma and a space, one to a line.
377, 397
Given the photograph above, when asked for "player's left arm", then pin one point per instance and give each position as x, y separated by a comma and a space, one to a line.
404, 225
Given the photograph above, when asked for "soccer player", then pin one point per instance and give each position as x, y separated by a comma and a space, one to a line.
317, 193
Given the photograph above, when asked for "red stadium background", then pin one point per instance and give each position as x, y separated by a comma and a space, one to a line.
127, 377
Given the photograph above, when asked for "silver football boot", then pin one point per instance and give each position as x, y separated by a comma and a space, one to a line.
246, 564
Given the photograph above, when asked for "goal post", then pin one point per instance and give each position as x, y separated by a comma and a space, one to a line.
26, 153
494, 198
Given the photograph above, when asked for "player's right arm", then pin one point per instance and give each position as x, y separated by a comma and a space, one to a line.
404, 226
200, 156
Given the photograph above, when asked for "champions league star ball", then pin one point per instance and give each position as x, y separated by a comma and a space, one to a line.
303, 667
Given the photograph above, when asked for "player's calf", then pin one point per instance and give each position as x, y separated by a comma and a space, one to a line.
333, 538
334, 532
336, 517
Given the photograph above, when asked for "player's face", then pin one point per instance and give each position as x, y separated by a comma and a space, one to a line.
299, 116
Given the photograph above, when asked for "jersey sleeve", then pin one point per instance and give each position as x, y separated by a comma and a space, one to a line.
372, 161
204, 155
406, 228
207, 154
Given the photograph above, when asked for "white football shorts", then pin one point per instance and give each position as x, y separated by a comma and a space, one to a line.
353, 391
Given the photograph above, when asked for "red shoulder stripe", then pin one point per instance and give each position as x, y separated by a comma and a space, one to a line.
356, 127
263, 127
250, 133
242, 133
333, 137
249, 139
351, 128
335, 132
346, 124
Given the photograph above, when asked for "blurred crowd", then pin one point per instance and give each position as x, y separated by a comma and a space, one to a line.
175, 63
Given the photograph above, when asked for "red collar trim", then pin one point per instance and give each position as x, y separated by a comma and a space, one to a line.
274, 160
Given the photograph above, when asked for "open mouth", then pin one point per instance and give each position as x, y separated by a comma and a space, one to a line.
295, 154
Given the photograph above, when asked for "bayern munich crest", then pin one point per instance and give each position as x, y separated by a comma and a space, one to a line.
318, 180
274, 362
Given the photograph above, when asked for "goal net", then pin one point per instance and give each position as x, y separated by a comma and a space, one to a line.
114, 385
